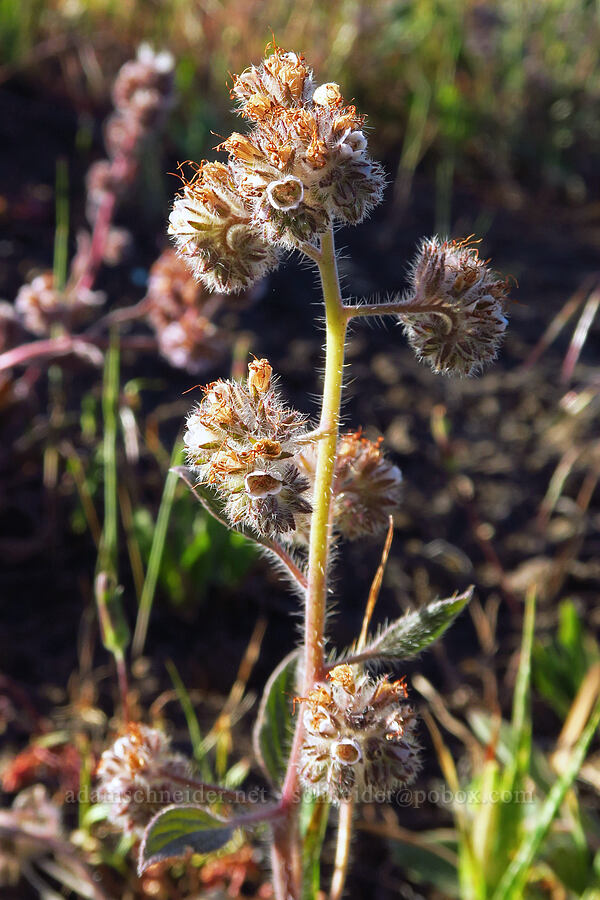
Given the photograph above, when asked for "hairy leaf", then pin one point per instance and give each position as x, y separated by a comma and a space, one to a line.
179, 829
274, 727
414, 632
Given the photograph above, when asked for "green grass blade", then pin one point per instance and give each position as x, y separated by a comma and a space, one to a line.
191, 720
61, 234
521, 718
511, 885
156, 555
107, 557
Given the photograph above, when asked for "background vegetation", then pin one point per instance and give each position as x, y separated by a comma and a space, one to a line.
487, 116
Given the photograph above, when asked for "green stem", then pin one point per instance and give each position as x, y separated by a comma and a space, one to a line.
286, 850
321, 525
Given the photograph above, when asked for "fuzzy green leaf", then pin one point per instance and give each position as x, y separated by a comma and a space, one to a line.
274, 727
414, 632
179, 829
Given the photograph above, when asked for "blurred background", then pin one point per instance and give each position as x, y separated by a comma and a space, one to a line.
487, 119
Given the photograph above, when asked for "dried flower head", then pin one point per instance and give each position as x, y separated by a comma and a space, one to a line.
138, 776
243, 442
360, 737
40, 305
463, 318
215, 235
366, 488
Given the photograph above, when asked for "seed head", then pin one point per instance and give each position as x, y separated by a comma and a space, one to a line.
214, 234
138, 776
360, 737
463, 320
243, 442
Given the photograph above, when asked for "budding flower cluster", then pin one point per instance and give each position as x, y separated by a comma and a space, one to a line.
463, 320
359, 737
366, 486
243, 441
302, 166
138, 776
179, 311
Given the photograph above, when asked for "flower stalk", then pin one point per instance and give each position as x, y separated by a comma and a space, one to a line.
321, 522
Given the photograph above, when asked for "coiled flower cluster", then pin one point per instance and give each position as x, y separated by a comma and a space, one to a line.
138, 776
359, 739
462, 321
366, 488
302, 166
243, 441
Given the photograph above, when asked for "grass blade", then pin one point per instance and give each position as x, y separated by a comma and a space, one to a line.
156, 554
511, 884
107, 557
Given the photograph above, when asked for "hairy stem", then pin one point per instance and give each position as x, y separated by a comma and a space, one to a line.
395, 308
286, 851
320, 531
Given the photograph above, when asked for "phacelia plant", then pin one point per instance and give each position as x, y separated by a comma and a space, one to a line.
301, 167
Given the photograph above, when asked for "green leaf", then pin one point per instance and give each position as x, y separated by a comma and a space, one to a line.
414, 632
433, 866
274, 727
179, 829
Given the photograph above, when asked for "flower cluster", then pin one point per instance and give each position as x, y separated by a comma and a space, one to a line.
142, 96
215, 234
243, 441
180, 313
40, 305
359, 737
462, 321
302, 166
366, 486
138, 776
